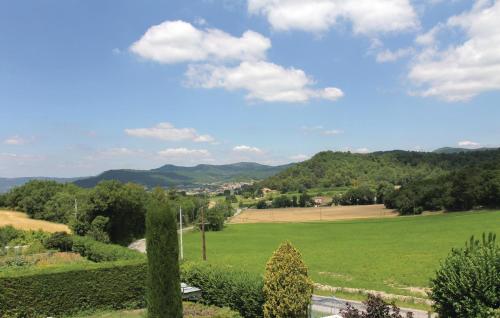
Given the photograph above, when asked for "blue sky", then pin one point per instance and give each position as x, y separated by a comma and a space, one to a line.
89, 85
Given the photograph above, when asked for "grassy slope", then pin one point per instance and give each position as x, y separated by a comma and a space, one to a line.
370, 254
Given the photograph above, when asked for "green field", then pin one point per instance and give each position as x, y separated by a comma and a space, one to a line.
379, 254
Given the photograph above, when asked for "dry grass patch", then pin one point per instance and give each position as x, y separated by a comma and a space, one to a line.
21, 221
334, 213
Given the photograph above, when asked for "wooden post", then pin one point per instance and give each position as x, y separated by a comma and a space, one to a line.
203, 244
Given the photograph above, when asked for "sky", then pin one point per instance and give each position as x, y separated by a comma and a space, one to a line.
91, 85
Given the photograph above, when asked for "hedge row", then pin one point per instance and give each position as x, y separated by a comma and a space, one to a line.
226, 287
112, 286
101, 252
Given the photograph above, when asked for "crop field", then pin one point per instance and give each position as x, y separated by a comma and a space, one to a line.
397, 255
21, 221
313, 214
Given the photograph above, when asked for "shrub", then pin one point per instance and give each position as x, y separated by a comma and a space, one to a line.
226, 287
376, 307
61, 241
287, 288
97, 229
262, 204
100, 252
7, 234
163, 280
67, 292
468, 282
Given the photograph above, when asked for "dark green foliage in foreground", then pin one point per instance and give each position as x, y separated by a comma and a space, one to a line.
163, 280
61, 241
376, 307
56, 294
101, 252
468, 282
7, 234
227, 287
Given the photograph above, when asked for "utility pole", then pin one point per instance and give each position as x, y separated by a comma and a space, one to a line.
203, 244
76, 209
180, 226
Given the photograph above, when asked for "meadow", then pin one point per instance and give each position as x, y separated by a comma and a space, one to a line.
22, 221
396, 255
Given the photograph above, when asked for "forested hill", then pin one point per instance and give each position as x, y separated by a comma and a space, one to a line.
335, 169
171, 175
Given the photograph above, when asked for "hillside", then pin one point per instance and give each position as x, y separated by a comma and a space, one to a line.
336, 169
458, 150
8, 183
171, 175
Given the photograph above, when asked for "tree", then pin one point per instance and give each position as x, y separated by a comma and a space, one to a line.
61, 241
281, 201
98, 229
261, 204
287, 288
163, 280
468, 282
304, 200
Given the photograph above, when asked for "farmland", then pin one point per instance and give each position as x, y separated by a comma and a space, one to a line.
21, 221
395, 255
331, 213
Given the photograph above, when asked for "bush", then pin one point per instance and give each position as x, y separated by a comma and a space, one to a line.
100, 252
7, 234
468, 282
226, 287
287, 289
61, 241
262, 204
376, 307
163, 280
63, 293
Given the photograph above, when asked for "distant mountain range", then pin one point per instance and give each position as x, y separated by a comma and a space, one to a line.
458, 150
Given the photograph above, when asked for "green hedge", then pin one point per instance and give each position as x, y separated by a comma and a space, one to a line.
101, 252
226, 287
112, 286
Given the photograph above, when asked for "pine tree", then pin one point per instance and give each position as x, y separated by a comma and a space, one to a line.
287, 288
163, 293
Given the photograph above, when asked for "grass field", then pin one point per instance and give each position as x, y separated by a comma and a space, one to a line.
23, 222
333, 213
392, 254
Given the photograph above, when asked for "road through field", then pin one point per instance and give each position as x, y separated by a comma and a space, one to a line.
334, 213
22, 221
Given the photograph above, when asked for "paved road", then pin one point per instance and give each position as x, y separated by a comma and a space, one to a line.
333, 305
140, 245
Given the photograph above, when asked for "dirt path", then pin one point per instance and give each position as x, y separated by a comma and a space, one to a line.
21, 221
313, 214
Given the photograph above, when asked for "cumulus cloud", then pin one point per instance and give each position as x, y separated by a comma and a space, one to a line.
183, 152
362, 150
299, 157
15, 141
460, 72
167, 131
366, 16
391, 56
469, 144
179, 41
262, 80
247, 149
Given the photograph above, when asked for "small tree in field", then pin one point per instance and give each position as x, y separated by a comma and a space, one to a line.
468, 282
287, 288
163, 282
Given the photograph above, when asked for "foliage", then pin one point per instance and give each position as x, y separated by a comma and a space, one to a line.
7, 234
163, 280
287, 288
226, 287
281, 201
98, 229
262, 204
61, 241
376, 307
101, 252
358, 196
468, 282
217, 215
68, 292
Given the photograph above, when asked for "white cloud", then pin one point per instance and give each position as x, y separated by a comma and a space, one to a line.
460, 72
262, 80
391, 56
167, 131
366, 16
179, 41
247, 149
469, 144
120, 151
15, 141
183, 152
333, 132
362, 150
300, 157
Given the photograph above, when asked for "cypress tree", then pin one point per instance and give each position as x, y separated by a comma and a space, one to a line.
163, 293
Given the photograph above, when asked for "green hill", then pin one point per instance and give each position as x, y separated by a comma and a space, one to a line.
339, 169
458, 150
171, 175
